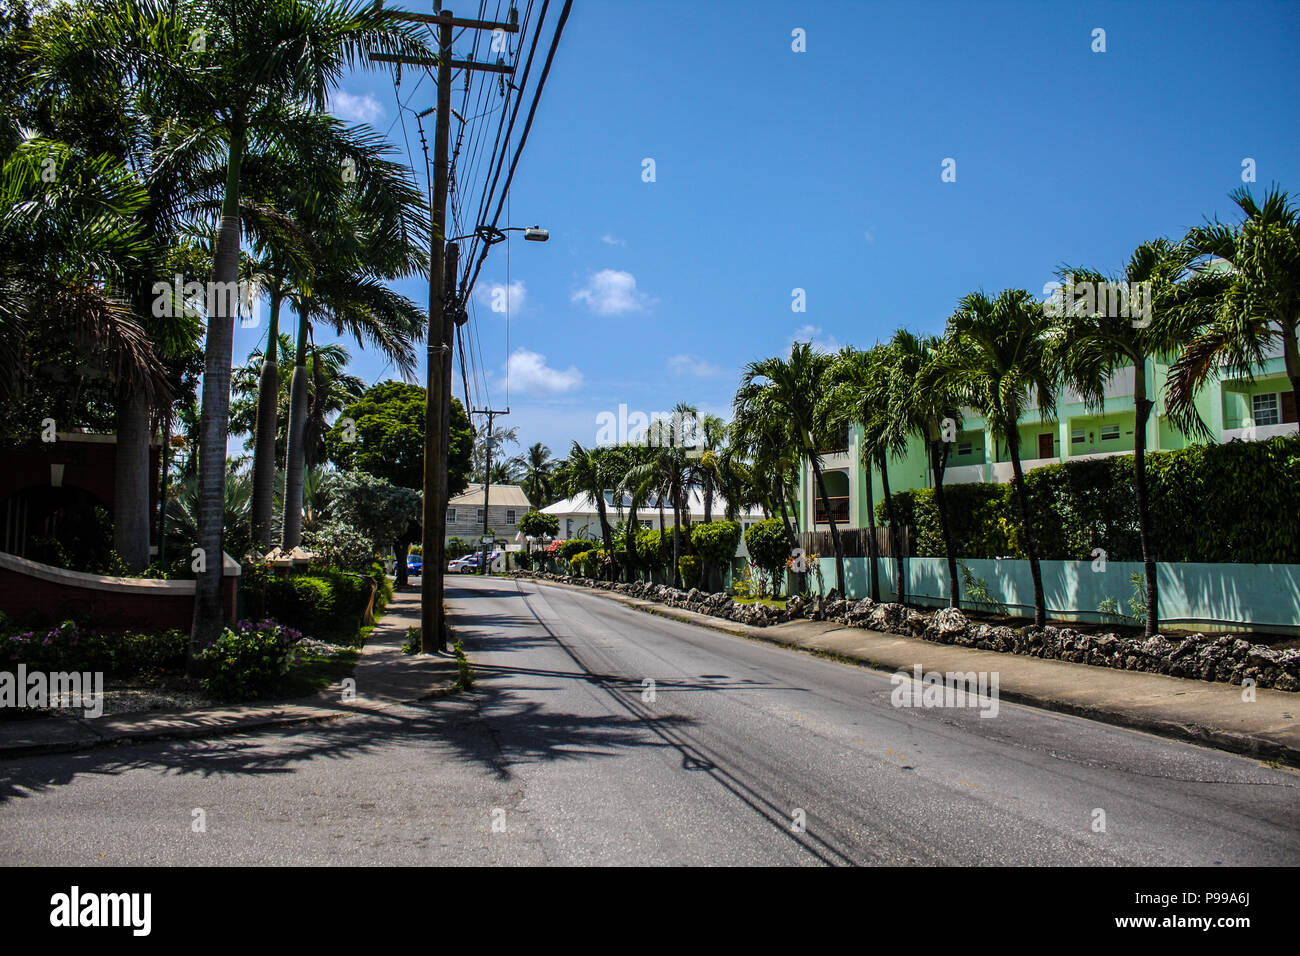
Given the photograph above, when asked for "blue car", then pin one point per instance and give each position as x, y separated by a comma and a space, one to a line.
414, 563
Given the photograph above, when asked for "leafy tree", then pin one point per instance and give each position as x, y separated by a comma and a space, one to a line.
768, 548
538, 524
376, 507
715, 543
386, 428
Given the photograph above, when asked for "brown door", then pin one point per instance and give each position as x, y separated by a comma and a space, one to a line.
1288, 407
1045, 446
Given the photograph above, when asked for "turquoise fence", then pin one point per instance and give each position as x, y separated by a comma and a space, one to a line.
1263, 597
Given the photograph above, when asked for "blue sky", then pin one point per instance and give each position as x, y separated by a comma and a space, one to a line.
821, 170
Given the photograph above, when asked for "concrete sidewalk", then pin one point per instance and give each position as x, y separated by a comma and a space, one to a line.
385, 677
1207, 713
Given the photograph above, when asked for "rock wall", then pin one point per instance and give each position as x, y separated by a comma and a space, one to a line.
1224, 659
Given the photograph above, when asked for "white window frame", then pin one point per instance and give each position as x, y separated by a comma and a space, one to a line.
478, 515
1105, 429
1266, 416
451, 515
510, 516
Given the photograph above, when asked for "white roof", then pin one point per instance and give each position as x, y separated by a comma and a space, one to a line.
584, 504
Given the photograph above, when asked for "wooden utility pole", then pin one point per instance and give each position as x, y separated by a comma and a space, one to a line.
442, 313
487, 478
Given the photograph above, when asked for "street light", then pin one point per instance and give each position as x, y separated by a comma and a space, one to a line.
492, 235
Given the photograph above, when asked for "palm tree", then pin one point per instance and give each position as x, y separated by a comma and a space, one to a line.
791, 391
539, 469
922, 403
999, 358
1092, 348
260, 60
373, 233
586, 472
1239, 313
861, 390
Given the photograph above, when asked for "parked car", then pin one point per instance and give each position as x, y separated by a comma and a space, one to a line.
414, 563
466, 565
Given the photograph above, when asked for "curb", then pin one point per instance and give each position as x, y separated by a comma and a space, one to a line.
1245, 744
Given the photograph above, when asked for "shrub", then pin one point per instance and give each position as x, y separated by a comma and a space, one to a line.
715, 542
574, 546
326, 604
248, 662
119, 654
689, 567
768, 548
650, 550
586, 564
1205, 506
340, 545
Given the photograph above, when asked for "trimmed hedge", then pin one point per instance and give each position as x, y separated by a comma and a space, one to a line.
1233, 503
326, 604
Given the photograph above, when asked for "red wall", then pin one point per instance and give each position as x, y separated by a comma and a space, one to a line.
22, 594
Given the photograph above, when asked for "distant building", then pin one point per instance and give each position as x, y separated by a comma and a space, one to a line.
579, 517
506, 504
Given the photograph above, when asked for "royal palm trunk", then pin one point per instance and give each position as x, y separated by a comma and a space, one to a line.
295, 458
1144, 406
214, 424
268, 402
895, 532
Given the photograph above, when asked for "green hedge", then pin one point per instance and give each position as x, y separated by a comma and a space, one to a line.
1233, 503
325, 604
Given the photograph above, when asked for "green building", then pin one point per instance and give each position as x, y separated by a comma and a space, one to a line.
1231, 408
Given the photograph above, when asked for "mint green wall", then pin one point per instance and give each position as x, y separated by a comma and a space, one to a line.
1263, 597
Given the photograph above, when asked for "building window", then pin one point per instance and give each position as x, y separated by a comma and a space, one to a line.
647, 524
964, 448
1076, 436
478, 514
451, 515
568, 527
1109, 432
510, 516
1263, 409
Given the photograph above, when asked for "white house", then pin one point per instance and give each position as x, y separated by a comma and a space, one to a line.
579, 518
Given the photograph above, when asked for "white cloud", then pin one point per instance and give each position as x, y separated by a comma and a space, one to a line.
687, 364
609, 240
530, 373
611, 292
496, 296
813, 334
355, 109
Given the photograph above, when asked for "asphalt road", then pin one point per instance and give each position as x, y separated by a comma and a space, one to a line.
739, 753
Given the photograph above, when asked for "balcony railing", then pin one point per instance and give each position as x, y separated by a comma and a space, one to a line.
839, 509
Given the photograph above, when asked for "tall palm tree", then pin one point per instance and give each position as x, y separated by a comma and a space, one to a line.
861, 391
999, 359
792, 391
539, 469
260, 59
1092, 347
923, 404
587, 472
1240, 312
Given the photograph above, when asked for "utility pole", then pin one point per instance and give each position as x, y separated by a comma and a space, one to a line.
433, 626
487, 478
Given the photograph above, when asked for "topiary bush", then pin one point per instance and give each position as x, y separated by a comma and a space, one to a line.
715, 543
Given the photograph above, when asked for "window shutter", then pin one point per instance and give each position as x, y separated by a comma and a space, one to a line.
1288, 407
